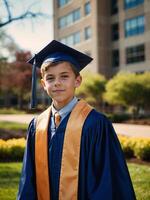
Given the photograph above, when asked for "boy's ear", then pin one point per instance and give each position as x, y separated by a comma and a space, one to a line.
78, 81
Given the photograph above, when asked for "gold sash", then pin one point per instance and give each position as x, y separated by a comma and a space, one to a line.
68, 189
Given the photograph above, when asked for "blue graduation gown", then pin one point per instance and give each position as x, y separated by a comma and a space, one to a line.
103, 173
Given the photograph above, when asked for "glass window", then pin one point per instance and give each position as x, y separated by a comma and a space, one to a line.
69, 18
132, 3
87, 8
62, 22
63, 40
114, 7
76, 15
115, 32
62, 2
76, 37
135, 26
87, 33
71, 39
115, 58
135, 54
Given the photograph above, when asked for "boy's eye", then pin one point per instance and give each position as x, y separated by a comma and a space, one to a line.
65, 76
50, 79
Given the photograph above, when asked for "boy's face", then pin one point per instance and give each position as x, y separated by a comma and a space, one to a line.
60, 83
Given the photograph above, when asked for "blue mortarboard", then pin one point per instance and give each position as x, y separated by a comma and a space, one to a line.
54, 52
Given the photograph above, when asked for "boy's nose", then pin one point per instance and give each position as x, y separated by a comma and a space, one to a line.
57, 82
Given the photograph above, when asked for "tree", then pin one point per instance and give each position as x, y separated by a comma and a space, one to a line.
16, 78
92, 88
21, 73
128, 90
10, 17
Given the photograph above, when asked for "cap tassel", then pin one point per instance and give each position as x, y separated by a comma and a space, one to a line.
34, 77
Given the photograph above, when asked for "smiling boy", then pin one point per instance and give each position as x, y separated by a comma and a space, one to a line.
72, 150
60, 82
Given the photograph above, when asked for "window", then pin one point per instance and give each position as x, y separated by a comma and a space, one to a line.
115, 32
69, 18
76, 37
72, 39
135, 26
87, 33
135, 54
115, 58
132, 3
87, 8
62, 2
114, 7
76, 15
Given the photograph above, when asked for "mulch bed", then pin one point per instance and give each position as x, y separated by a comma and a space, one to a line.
10, 134
138, 161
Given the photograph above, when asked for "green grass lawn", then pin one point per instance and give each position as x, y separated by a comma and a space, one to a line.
10, 173
13, 126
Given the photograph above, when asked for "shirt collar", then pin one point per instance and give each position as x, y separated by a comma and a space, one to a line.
66, 109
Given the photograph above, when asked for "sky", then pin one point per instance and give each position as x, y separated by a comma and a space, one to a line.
30, 34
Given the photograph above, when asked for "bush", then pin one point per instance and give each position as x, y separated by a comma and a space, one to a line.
142, 149
126, 146
117, 118
138, 147
12, 150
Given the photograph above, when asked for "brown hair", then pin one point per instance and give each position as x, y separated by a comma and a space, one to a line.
45, 66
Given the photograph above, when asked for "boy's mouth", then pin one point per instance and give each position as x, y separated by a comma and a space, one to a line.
58, 90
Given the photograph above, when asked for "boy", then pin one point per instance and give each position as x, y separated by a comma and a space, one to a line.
72, 150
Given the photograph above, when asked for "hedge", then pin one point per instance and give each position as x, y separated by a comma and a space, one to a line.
136, 147
13, 149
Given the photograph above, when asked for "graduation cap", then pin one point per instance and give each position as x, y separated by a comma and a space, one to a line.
54, 52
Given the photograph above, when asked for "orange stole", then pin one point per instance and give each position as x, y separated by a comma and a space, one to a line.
68, 189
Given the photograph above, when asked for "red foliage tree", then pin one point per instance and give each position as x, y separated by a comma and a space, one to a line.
20, 76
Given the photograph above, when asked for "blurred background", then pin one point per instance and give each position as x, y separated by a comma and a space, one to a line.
116, 33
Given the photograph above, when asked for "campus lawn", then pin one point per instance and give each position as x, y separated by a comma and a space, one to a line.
10, 173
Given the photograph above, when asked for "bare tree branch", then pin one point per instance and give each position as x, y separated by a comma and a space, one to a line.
8, 10
28, 14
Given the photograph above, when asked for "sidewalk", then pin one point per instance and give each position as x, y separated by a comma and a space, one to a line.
125, 129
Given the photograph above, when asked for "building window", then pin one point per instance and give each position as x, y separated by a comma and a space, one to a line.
114, 7
69, 19
72, 39
62, 2
132, 3
115, 58
135, 54
87, 33
76, 37
135, 26
87, 8
115, 32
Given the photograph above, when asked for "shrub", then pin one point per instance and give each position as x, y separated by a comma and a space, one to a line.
12, 150
142, 149
116, 118
138, 147
126, 146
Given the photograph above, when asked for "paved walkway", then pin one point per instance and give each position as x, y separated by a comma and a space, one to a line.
125, 129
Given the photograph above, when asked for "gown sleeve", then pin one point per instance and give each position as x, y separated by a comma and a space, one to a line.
27, 185
106, 175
